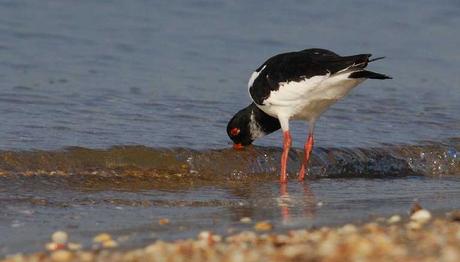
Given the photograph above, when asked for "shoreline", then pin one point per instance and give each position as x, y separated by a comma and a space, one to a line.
419, 237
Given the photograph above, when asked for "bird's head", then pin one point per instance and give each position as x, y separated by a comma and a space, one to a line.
238, 129
249, 124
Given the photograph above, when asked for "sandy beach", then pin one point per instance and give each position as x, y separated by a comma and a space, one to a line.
419, 237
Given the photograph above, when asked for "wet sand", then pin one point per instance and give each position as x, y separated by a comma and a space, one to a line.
397, 238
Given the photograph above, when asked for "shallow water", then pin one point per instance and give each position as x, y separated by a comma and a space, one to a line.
29, 216
126, 190
171, 74
164, 78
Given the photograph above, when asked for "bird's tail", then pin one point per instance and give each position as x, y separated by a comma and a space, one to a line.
375, 59
361, 61
368, 74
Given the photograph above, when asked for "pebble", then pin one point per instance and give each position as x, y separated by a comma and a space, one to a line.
74, 246
372, 227
60, 237
421, 216
348, 229
105, 240
102, 238
216, 238
110, 244
412, 241
204, 235
450, 254
246, 220
414, 225
394, 219
208, 238
263, 226
163, 221
454, 215
61, 256
53, 246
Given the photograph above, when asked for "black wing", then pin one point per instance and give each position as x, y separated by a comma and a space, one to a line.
295, 66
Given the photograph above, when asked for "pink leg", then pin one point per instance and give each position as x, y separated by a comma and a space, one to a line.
308, 148
287, 141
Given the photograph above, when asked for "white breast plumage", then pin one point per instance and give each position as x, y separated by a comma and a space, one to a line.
309, 97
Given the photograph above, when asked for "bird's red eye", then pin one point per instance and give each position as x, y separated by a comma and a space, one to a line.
235, 131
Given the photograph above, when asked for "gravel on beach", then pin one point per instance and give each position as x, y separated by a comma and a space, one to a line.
416, 238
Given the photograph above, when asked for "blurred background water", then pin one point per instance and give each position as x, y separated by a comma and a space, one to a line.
170, 74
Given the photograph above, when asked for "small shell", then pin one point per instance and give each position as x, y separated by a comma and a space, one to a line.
110, 243
413, 225
53, 246
263, 226
163, 221
204, 235
394, 219
421, 216
74, 246
60, 237
103, 237
348, 229
246, 220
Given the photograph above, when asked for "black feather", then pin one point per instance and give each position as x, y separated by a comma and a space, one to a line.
295, 66
375, 59
368, 74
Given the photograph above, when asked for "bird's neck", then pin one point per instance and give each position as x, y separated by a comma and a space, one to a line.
267, 123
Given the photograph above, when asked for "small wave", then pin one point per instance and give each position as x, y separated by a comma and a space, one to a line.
429, 159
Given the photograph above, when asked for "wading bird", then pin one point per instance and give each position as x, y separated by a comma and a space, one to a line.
299, 86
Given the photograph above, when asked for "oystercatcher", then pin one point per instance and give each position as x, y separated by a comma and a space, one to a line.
300, 86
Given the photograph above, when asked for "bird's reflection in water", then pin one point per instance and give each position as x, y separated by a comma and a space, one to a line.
288, 203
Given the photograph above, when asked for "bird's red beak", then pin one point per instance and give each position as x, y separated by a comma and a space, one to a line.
238, 146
